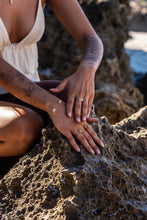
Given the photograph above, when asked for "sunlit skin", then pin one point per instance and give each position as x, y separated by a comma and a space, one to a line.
18, 131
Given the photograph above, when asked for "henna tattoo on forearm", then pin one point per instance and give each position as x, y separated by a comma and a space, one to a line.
10, 76
94, 51
23, 88
12, 79
28, 92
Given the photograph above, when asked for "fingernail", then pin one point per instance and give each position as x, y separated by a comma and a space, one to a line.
97, 151
84, 118
52, 88
78, 149
69, 114
92, 151
88, 116
102, 144
78, 119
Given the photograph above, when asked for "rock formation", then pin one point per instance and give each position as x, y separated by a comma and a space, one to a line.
59, 52
109, 19
54, 182
116, 103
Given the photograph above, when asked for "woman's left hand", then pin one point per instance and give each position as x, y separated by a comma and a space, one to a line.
81, 90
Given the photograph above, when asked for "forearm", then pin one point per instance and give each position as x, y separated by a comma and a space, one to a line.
24, 89
93, 52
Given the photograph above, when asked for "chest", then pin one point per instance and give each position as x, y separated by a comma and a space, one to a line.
19, 17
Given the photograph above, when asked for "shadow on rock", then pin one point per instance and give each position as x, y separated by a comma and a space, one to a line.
54, 182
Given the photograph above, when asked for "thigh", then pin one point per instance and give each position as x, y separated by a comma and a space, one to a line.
48, 84
13, 117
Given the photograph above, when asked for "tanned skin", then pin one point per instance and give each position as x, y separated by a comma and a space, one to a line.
19, 126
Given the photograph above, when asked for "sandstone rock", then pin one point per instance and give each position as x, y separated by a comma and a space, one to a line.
117, 103
141, 84
54, 182
109, 18
59, 52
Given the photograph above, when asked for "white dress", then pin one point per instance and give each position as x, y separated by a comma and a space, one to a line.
23, 55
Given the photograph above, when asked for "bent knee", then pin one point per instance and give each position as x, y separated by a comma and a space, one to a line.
28, 132
26, 139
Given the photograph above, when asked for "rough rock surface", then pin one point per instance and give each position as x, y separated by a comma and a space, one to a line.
116, 103
54, 182
59, 52
109, 18
138, 16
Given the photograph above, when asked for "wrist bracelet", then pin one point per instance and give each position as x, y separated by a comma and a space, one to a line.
54, 109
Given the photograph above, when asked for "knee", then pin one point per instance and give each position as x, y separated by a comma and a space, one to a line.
28, 133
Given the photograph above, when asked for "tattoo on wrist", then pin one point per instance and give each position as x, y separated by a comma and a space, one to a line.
94, 51
54, 109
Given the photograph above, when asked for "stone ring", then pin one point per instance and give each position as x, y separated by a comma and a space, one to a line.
80, 99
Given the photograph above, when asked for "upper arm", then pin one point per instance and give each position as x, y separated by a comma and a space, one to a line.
70, 14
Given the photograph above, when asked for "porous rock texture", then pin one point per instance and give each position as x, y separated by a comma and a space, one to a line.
109, 18
60, 53
116, 103
54, 182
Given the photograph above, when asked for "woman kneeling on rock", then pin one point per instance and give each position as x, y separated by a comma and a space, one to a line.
26, 103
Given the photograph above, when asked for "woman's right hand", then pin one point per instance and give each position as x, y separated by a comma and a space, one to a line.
70, 129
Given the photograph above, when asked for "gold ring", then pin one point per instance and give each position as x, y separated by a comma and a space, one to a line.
80, 99
80, 131
87, 126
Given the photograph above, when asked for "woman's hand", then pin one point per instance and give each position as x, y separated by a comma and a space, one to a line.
80, 88
82, 131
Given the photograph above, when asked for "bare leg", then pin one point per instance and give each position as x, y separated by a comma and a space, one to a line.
19, 129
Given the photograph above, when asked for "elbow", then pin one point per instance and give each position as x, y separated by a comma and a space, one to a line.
101, 45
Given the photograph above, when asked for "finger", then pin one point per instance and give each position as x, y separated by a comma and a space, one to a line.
91, 142
72, 142
90, 119
94, 135
78, 105
84, 109
70, 104
60, 87
89, 106
84, 142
